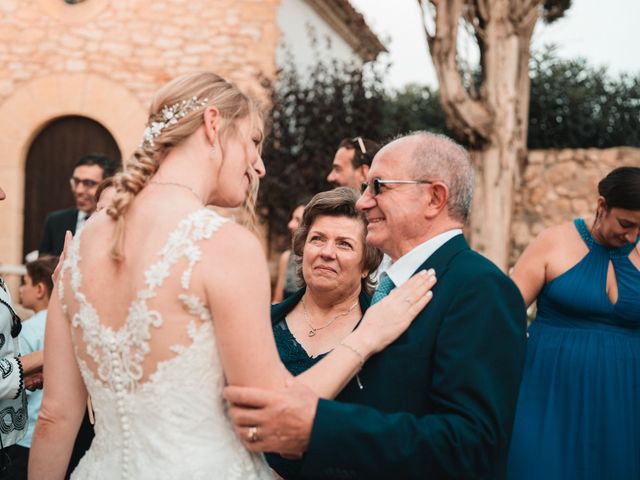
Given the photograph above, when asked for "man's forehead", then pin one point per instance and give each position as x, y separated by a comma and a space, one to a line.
391, 160
91, 171
344, 156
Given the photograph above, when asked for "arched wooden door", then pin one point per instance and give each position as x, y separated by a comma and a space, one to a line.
49, 166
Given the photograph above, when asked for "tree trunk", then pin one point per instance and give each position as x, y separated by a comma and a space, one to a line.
495, 123
492, 203
499, 161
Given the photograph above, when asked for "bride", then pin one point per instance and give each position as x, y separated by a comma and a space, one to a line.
161, 302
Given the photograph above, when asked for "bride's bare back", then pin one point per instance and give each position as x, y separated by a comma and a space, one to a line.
146, 347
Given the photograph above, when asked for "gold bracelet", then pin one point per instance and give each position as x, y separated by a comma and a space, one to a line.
359, 354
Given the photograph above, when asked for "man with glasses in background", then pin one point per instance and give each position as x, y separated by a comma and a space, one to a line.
351, 162
350, 168
88, 172
438, 402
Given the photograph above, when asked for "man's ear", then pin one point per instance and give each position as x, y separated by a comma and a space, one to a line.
211, 123
362, 171
41, 290
438, 198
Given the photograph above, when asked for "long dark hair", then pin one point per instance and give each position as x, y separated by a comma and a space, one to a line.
621, 188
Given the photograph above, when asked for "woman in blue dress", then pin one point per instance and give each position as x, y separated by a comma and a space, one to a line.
578, 414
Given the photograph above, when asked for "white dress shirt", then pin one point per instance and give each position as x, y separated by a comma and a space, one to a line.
82, 218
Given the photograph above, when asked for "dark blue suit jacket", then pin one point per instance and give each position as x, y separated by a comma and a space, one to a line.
439, 402
55, 226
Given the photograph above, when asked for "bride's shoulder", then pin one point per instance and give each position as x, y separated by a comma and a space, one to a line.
231, 241
230, 232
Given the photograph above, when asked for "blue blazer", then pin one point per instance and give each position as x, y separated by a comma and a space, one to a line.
55, 226
439, 402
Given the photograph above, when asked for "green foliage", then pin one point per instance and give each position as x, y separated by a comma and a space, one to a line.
311, 114
574, 105
416, 107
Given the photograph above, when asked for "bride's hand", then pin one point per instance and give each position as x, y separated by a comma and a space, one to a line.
385, 321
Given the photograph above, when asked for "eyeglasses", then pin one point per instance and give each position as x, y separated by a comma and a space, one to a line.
376, 184
85, 182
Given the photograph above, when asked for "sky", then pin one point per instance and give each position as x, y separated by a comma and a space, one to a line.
604, 36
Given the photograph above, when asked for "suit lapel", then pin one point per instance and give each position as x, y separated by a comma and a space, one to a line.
441, 258
72, 220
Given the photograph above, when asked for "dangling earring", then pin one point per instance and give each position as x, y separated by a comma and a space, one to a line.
596, 228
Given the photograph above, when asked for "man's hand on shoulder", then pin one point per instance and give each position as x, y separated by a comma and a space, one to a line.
273, 420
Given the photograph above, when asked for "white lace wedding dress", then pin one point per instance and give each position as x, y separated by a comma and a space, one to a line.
159, 412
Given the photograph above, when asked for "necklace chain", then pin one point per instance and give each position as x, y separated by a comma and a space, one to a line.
176, 184
312, 330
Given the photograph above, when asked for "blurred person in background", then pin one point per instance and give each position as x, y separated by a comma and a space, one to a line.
15, 371
577, 413
351, 162
287, 278
87, 174
34, 294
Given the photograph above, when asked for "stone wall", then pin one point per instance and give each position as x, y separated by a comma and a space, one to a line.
559, 185
140, 43
103, 59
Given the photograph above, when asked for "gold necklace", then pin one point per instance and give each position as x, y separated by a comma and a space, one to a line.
176, 184
312, 330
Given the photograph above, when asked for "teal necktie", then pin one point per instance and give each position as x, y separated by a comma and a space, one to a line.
384, 287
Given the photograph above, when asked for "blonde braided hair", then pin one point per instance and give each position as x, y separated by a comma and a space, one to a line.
212, 90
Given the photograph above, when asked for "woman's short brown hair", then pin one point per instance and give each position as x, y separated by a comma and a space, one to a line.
339, 202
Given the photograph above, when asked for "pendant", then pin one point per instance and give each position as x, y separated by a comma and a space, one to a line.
311, 333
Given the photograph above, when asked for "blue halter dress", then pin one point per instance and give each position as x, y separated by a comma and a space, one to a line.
578, 414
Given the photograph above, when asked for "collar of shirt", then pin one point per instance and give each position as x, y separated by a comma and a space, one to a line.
82, 218
402, 269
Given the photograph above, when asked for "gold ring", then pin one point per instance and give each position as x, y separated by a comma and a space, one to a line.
252, 434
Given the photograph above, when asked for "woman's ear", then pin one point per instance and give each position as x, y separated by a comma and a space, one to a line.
211, 123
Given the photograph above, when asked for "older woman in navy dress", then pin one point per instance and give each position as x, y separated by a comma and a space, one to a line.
336, 272
578, 412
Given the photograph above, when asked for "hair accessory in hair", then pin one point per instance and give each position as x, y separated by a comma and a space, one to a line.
170, 116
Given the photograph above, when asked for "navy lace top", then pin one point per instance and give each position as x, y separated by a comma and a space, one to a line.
292, 354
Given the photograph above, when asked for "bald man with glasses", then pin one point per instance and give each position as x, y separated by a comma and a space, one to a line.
438, 402
88, 172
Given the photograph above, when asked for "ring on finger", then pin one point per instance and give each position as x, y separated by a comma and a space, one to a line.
252, 434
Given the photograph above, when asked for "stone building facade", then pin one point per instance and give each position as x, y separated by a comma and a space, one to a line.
101, 60
560, 185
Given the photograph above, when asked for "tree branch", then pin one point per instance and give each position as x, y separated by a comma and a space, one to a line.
423, 10
467, 118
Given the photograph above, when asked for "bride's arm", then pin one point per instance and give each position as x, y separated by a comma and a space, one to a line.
381, 325
63, 403
238, 293
236, 280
